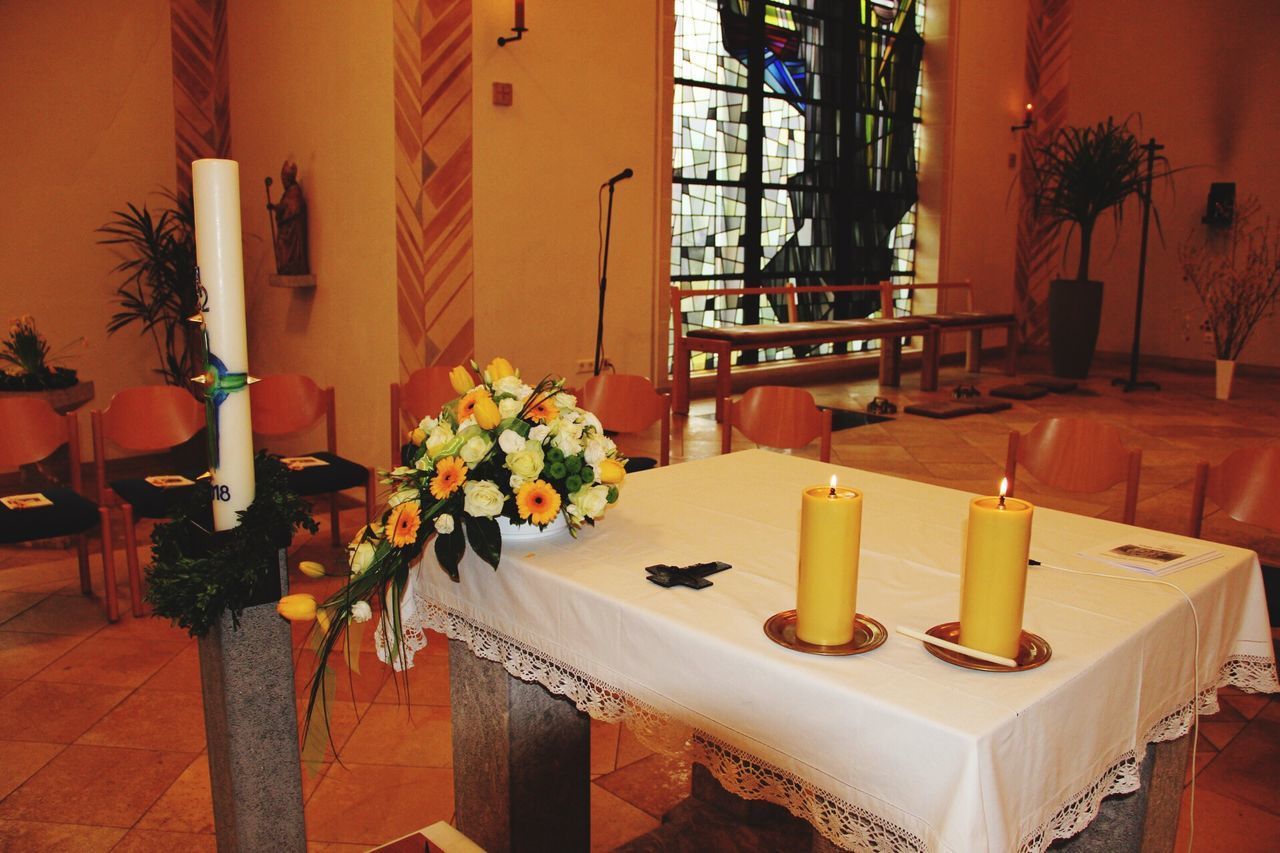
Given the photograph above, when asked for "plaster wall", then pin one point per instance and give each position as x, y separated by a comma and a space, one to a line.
586, 102
88, 126
317, 89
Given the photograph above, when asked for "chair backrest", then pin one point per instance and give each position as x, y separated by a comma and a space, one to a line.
424, 393
1246, 486
149, 417
30, 430
778, 416
1076, 455
626, 402
286, 403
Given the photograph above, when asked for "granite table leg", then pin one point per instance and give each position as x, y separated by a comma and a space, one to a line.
521, 760
251, 726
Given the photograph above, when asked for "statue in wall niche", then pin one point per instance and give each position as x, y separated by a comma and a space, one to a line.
289, 223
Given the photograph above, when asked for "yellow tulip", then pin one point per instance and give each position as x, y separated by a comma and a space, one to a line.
417, 435
299, 607
461, 380
499, 368
611, 471
486, 412
311, 569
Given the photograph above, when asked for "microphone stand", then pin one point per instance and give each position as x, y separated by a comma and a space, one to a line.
604, 273
1132, 383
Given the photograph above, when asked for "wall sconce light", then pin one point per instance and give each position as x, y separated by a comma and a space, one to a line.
1028, 118
519, 29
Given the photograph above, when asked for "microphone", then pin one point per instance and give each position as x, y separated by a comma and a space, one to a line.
621, 176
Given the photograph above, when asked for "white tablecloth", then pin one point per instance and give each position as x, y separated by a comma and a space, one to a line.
892, 748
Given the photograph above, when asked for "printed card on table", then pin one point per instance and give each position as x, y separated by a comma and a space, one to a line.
1153, 556
297, 463
169, 481
30, 501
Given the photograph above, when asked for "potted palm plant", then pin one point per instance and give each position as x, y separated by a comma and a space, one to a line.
1236, 274
159, 288
1077, 176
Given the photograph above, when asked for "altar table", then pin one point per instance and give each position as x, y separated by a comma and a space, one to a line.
893, 749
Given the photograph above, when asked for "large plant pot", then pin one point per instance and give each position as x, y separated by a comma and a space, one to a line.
1075, 312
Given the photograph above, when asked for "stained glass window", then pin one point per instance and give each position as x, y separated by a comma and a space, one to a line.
794, 154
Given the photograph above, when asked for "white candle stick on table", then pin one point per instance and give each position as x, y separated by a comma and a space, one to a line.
956, 647
219, 257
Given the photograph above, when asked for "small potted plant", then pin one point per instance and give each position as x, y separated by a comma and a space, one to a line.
1077, 176
1236, 274
25, 367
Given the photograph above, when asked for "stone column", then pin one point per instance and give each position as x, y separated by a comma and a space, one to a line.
521, 760
251, 726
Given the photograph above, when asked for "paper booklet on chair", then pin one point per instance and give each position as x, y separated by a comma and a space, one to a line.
168, 481
297, 463
1152, 555
29, 501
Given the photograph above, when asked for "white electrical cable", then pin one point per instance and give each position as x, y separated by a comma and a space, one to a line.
1195, 675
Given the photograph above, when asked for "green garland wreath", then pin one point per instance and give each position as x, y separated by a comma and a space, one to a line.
196, 575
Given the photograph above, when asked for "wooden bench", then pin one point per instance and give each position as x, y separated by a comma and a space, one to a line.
968, 320
722, 341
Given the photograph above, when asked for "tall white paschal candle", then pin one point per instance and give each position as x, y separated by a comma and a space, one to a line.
216, 198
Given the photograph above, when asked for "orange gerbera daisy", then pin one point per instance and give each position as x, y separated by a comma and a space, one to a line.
451, 473
467, 405
537, 501
543, 411
403, 523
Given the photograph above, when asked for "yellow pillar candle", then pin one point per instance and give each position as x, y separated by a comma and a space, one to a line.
994, 582
830, 535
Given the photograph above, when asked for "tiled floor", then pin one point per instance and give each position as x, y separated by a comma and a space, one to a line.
101, 730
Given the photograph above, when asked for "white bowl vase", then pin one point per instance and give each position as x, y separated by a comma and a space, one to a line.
1226, 372
530, 532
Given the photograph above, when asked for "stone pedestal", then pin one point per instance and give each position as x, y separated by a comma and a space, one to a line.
251, 726
521, 760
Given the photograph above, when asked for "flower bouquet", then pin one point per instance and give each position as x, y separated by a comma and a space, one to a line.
500, 450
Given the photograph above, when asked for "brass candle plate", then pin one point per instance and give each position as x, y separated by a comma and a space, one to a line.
1033, 650
868, 634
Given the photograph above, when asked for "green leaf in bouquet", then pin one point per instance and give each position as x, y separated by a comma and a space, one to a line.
449, 548
485, 538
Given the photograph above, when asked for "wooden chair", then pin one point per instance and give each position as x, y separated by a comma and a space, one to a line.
777, 416
627, 403
1246, 486
289, 403
30, 430
424, 393
1076, 455
145, 419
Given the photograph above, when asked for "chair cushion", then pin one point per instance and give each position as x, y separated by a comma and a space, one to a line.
815, 331
70, 513
150, 501
339, 474
640, 463
967, 318
1019, 392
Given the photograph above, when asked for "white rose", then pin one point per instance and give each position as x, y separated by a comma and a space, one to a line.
509, 407
527, 462
483, 498
427, 424
591, 500
567, 443
591, 422
439, 436
475, 449
361, 612
565, 401
361, 558
467, 424
515, 482
511, 441
399, 496
596, 450
444, 524
513, 386
538, 433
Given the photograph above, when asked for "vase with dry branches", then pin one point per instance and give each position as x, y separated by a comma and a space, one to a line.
1236, 274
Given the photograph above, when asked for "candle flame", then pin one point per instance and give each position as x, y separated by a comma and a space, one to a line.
832, 492
1004, 486
1029, 107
